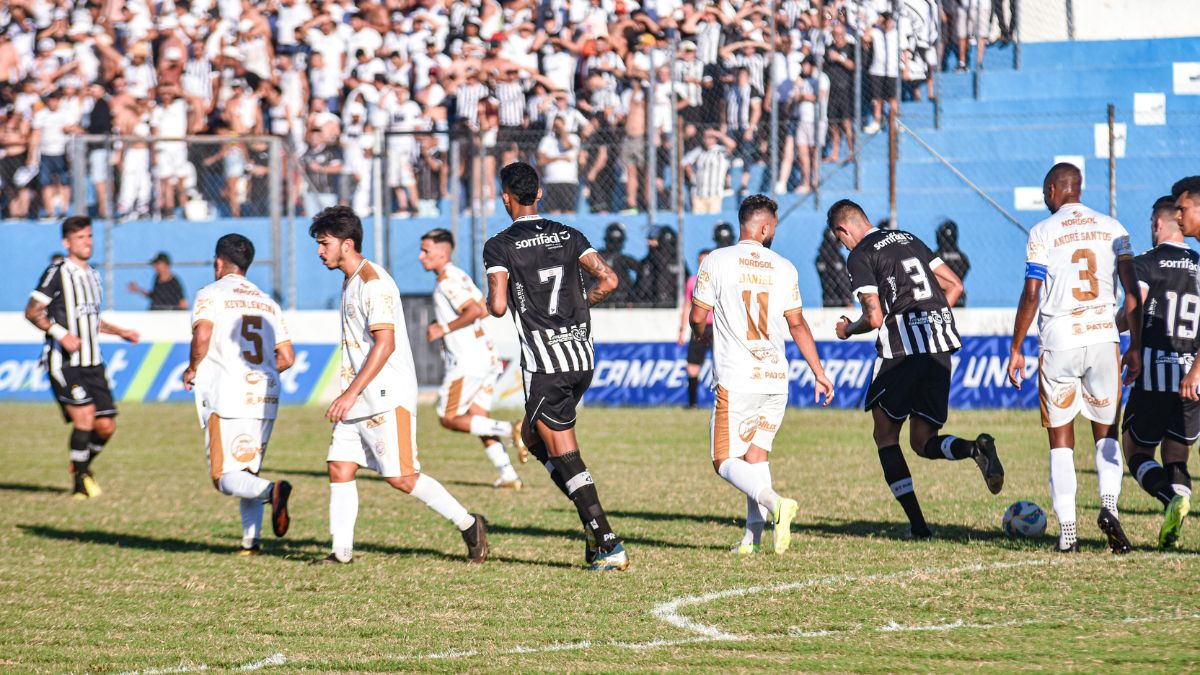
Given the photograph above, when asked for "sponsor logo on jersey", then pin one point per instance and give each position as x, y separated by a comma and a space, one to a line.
547, 239
894, 238
1097, 402
1183, 264
755, 262
244, 448
1063, 395
87, 309
575, 334
254, 377
1077, 218
252, 399
376, 421
748, 428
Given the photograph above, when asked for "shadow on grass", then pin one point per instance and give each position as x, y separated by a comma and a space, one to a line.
536, 531
300, 472
26, 487
705, 518
474, 484
302, 550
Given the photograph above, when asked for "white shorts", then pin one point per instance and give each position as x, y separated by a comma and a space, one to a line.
741, 420
460, 391
385, 443
98, 165
235, 444
1084, 379
171, 160
806, 133
400, 163
972, 20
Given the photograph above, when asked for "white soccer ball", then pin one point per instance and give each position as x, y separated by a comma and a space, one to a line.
1024, 520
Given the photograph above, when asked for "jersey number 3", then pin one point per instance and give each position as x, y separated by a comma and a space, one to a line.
1087, 275
250, 324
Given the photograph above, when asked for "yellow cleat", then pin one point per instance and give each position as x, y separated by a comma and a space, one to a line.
79, 496
746, 549
785, 513
91, 486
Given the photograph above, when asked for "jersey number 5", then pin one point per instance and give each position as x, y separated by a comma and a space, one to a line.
1087, 275
756, 331
548, 275
251, 323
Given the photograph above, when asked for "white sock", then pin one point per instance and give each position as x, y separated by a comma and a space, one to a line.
1109, 472
499, 458
343, 512
245, 485
252, 515
486, 426
436, 497
750, 481
756, 519
1062, 490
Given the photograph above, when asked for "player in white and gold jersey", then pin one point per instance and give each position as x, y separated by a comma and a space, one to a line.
472, 364
239, 346
1071, 260
755, 297
375, 416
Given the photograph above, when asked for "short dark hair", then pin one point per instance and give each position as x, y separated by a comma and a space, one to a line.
753, 205
841, 210
1163, 203
1189, 186
74, 224
235, 249
439, 235
521, 181
339, 222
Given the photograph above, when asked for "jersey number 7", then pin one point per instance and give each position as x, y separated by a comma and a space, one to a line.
552, 274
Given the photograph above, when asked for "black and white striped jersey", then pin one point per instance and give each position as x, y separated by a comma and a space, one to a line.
898, 267
511, 99
1169, 274
709, 166
546, 292
73, 298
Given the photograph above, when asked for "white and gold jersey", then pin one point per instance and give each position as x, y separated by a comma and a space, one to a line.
750, 290
371, 301
468, 349
238, 377
1075, 252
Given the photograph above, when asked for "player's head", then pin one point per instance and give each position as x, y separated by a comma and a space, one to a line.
702, 255
1063, 185
339, 234
234, 255
1163, 224
520, 188
77, 237
436, 247
848, 222
1186, 192
758, 215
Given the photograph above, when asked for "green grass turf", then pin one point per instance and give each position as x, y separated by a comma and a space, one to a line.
144, 577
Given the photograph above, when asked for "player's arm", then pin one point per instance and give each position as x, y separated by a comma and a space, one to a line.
606, 278
470, 312
1026, 309
381, 351
951, 285
497, 301
285, 356
1123, 315
202, 331
1132, 359
871, 319
802, 336
698, 317
35, 313
127, 334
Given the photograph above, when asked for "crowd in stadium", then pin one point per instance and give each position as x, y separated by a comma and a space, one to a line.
574, 86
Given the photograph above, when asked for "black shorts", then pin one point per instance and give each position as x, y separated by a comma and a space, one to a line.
1152, 415
552, 397
841, 105
883, 87
698, 349
912, 385
84, 385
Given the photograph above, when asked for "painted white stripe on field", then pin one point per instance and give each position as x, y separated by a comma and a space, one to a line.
276, 659
172, 669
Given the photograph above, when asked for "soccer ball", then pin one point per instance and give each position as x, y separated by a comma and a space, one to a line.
1024, 520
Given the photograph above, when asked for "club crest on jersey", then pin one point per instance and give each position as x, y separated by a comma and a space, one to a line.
748, 428
1063, 395
78, 393
547, 239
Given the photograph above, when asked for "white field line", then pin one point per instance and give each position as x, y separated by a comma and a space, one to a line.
276, 659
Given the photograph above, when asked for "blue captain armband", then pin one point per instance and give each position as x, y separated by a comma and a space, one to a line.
1035, 271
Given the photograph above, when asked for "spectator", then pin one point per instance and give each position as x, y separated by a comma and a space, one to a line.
952, 255
558, 157
970, 23
51, 127
323, 164
831, 270
839, 68
98, 121
166, 293
170, 120
803, 101
742, 113
14, 141
633, 146
706, 168
886, 58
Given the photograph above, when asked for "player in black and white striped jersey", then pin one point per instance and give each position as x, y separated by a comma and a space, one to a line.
536, 266
906, 293
1155, 414
65, 305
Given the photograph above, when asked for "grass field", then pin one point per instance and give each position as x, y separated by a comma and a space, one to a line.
144, 577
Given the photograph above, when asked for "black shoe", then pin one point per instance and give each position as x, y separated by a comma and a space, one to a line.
989, 463
920, 533
475, 537
1073, 548
331, 559
279, 507
1111, 527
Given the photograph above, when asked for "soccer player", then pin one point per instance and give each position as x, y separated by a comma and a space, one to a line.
1071, 259
374, 417
239, 346
906, 293
536, 266
754, 296
472, 365
65, 305
698, 344
1155, 413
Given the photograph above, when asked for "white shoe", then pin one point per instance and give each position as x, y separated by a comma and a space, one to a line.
872, 128
781, 187
514, 484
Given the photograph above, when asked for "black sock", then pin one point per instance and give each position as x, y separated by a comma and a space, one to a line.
80, 459
95, 445
542, 454
960, 448
693, 387
582, 491
1179, 476
896, 473
1151, 477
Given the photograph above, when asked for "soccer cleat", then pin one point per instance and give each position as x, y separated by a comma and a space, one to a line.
1073, 548
91, 486
1177, 510
279, 507
518, 442
79, 495
591, 550
514, 484
253, 550
919, 533
1111, 527
746, 549
785, 513
475, 537
613, 561
332, 559
989, 462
